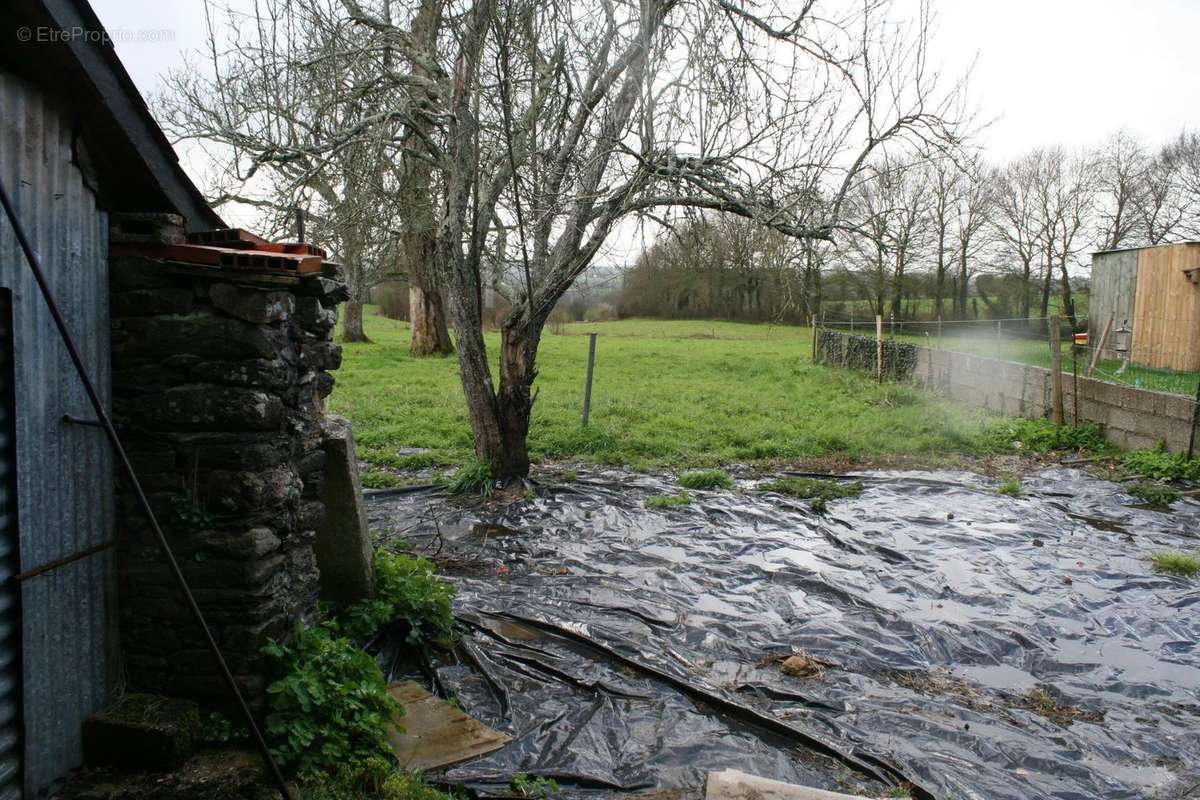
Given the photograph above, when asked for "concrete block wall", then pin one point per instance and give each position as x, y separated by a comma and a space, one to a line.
1132, 418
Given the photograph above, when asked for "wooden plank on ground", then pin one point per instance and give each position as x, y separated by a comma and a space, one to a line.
436, 734
731, 784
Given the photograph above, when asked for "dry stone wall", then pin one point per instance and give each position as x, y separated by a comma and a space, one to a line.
219, 379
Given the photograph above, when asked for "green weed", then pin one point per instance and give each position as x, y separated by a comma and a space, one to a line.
407, 589
705, 479
474, 477
192, 512
535, 788
1010, 485
330, 705
379, 479
1161, 465
1186, 565
1155, 494
816, 490
375, 778
1042, 436
668, 500
328, 708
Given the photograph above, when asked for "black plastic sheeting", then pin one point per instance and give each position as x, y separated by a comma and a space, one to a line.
977, 645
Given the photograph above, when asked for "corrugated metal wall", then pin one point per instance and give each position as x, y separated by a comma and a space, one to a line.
10, 594
1166, 324
64, 471
1114, 276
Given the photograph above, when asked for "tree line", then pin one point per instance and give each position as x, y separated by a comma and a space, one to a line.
935, 234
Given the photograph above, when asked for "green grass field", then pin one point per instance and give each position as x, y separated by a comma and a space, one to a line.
666, 394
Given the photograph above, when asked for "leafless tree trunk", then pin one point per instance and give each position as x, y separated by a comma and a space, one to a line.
546, 124
415, 193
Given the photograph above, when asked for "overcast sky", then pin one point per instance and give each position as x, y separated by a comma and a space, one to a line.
1044, 71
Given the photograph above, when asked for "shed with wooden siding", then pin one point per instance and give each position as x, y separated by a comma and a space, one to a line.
1149, 291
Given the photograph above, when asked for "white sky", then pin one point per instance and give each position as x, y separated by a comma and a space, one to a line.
1046, 71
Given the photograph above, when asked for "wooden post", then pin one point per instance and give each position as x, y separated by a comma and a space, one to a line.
999, 335
879, 347
587, 387
1074, 382
1100, 345
1056, 387
851, 320
1195, 420
812, 324
939, 344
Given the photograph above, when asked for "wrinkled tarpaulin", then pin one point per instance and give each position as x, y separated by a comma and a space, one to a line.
625, 648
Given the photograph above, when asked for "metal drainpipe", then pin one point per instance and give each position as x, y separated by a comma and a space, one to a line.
127, 469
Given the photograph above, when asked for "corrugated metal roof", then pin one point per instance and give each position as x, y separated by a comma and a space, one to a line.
138, 169
64, 471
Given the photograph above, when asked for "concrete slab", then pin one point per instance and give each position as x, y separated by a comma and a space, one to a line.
343, 544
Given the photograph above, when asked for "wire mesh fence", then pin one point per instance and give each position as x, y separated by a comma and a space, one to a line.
1027, 341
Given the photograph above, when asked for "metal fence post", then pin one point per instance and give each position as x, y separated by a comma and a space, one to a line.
587, 387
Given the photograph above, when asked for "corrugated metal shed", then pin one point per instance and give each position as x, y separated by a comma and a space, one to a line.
64, 471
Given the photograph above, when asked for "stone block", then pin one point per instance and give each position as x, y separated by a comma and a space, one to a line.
151, 302
199, 335
253, 543
271, 374
321, 355
142, 731
145, 378
240, 492
312, 315
198, 407
132, 272
343, 547
252, 305
329, 289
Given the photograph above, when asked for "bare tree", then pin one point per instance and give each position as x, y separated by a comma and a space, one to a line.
972, 212
888, 208
270, 107
547, 124
1120, 184
1170, 202
1017, 220
943, 183
1066, 200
